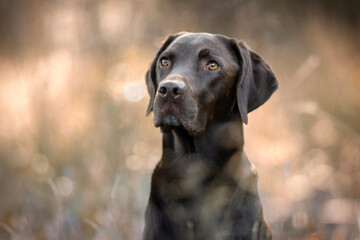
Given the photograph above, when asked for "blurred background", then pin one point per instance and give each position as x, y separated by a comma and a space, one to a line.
77, 152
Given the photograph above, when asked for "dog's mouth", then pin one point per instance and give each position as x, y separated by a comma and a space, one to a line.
168, 122
171, 122
184, 115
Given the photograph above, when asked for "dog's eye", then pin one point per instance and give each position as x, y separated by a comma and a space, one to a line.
165, 62
212, 65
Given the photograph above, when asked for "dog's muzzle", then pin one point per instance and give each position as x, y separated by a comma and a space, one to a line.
171, 93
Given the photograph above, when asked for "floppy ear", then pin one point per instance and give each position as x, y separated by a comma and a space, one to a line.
256, 81
151, 89
150, 77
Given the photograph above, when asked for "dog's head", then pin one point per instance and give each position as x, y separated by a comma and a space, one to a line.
197, 78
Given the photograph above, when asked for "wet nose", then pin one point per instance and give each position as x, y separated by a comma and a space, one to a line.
171, 89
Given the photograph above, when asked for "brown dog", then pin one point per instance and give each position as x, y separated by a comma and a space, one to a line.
202, 86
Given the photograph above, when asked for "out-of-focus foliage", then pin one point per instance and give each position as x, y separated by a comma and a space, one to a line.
76, 151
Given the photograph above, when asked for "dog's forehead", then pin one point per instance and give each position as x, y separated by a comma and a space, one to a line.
197, 41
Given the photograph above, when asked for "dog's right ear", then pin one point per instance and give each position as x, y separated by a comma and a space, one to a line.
151, 78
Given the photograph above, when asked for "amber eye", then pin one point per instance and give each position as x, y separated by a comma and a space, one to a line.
165, 62
212, 65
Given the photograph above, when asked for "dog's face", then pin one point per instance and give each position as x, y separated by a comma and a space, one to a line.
197, 78
194, 74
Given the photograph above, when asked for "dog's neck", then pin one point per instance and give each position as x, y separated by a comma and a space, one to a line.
217, 144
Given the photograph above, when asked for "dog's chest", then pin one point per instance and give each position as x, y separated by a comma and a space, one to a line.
198, 202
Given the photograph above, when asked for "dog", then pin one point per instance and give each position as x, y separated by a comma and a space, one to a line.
201, 87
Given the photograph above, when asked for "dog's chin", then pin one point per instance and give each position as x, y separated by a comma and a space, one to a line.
170, 122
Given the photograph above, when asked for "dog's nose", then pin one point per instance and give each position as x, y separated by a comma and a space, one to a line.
171, 89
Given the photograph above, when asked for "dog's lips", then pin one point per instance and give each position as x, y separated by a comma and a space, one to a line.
171, 115
170, 120
167, 116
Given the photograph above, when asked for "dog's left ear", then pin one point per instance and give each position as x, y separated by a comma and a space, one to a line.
256, 81
150, 77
